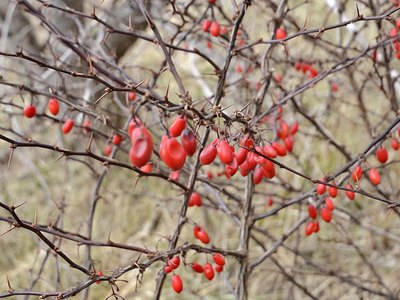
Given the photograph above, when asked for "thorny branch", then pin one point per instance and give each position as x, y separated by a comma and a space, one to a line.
92, 82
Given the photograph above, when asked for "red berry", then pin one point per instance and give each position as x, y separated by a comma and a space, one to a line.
258, 158
294, 128
247, 142
241, 155
312, 211
215, 29
177, 284
54, 107
305, 68
132, 96
219, 259
309, 229
382, 155
172, 153
99, 273
174, 262
107, 150
219, 268
142, 147
270, 151
288, 142
269, 169
137, 132
321, 188
312, 72
251, 160
30, 111
283, 131
270, 202
395, 144
232, 168
203, 237
132, 125
189, 142
196, 230
350, 194
197, 268
205, 26
281, 150
174, 175
177, 126
168, 269
244, 168
329, 204
280, 34
117, 139
224, 30
195, 200
258, 175
238, 68
332, 191
147, 168
209, 271
374, 176
316, 226
208, 155
86, 126
225, 152
278, 77
334, 87
212, 1
326, 214
393, 32
68, 125
357, 174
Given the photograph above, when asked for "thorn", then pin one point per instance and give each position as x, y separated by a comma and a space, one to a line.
105, 38
247, 105
166, 68
226, 107
35, 219
306, 20
103, 119
10, 289
138, 84
7, 231
109, 238
130, 23
88, 148
166, 93
319, 32
91, 70
106, 166
358, 11
11, 156
17, 206
136, 182
208, 100
61, 156
140, 255
389, 210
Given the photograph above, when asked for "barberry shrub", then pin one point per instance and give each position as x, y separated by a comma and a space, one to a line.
199, 149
